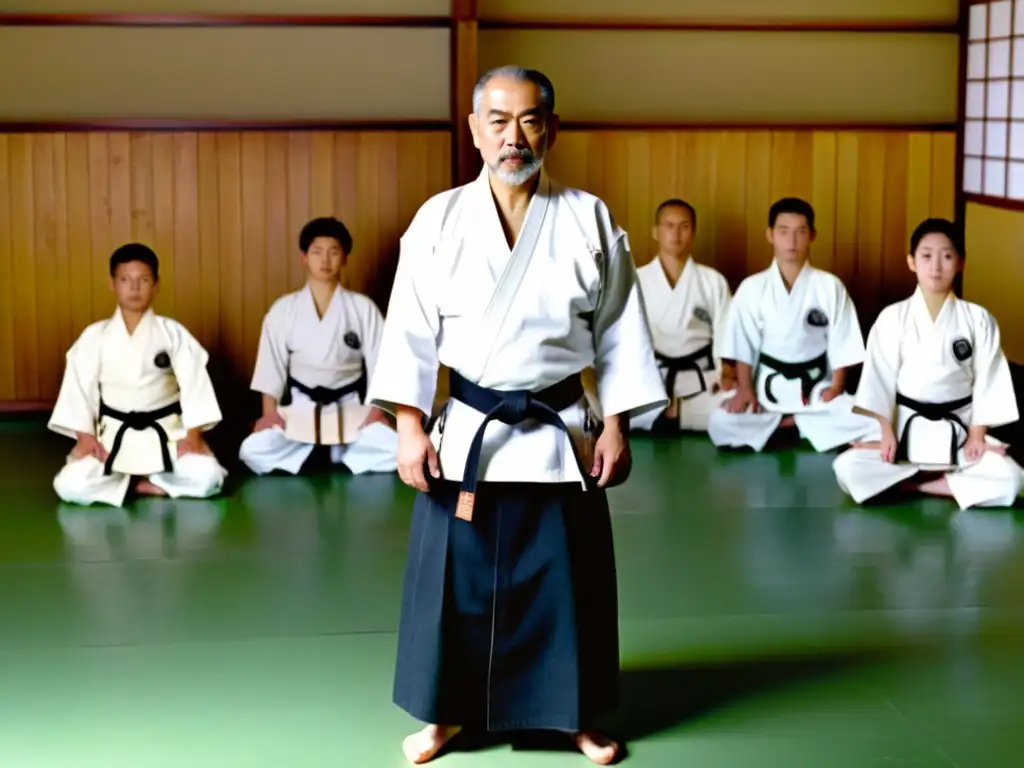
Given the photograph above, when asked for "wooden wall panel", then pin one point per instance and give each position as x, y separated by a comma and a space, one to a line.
222, 209
869, 189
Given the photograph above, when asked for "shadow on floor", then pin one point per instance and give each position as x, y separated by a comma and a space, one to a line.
660, 699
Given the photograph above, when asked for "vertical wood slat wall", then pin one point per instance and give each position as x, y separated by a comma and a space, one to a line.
222, 209
870, 189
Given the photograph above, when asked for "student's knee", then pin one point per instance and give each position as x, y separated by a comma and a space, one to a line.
75, 475
202, 472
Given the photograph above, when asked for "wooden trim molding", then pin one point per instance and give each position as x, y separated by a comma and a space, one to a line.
25, 406
463, 69
650, 25
214, 20
616, 125
1006, 203
157, 124
960, 204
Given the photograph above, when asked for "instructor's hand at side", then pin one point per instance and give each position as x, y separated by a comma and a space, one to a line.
414, 451
612, 459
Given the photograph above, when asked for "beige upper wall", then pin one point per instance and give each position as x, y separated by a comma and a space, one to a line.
252, 73
336, 7
787, 77
937, 11
994, 271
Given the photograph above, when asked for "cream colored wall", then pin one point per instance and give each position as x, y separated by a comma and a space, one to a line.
754, 77
338, 7
740, 10
251, 73
994, 272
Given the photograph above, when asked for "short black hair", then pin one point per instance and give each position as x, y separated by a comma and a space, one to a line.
675, 202
794, 205
135, 252
938, 227
325, 226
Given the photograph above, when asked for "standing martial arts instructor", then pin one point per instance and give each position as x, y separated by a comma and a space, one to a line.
517, 285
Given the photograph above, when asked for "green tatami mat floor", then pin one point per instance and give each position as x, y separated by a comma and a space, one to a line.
765, 622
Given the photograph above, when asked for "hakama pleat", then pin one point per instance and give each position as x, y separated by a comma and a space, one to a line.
510, 622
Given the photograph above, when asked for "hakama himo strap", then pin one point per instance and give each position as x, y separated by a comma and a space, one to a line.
510, 407
139, 421
675, 365
932, 412
810, 373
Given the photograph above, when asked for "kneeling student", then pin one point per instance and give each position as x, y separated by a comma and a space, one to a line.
136, 396
935, 381
686, 305
793, 332
318, 348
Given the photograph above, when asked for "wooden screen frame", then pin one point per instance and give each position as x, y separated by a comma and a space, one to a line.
983, 198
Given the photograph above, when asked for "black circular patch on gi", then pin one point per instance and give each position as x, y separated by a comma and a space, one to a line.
817, 319
162, 360
962, 349
703, 315
352, 341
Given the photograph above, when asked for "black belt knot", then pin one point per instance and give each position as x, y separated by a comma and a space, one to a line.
933, 412
510, 407
692, 362
139, 421
810, 372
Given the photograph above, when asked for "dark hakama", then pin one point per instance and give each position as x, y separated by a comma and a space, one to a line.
510, 621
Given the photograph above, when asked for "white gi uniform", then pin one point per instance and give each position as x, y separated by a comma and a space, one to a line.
935, 379
686, 322
794, 340
139, 394
318, 369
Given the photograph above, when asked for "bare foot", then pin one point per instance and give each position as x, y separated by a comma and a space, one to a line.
423, 746
937, 487
598, 747
146, 488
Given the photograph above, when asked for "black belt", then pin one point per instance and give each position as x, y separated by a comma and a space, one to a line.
139, 420
933, 412
675, 365
794, 371
326, 396
510, 407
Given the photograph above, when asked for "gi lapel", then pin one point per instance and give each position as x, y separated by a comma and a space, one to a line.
511, 278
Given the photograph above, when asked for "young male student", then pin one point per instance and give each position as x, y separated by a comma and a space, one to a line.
686, 305
318, 349
935, 381
136, 397
516, 284
793, 332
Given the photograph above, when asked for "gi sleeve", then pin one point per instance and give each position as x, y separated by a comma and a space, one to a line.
995, 402
877, 389
406, 369
626, 372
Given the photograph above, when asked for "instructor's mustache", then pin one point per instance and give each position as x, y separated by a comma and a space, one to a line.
516, 154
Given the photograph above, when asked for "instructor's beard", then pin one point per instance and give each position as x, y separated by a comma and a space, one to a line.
531, 163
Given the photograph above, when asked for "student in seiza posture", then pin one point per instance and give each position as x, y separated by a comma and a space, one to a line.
136, 396
934, 382
793, 333
318, 349
687, 304
516, 284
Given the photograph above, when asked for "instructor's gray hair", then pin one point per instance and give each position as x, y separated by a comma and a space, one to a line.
522, 74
